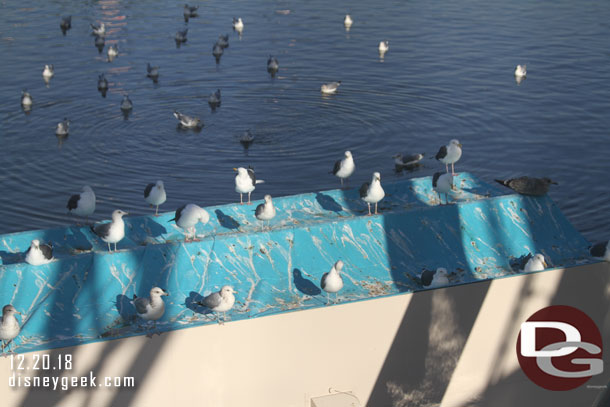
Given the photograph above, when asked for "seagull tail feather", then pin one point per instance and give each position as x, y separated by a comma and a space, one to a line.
260, 181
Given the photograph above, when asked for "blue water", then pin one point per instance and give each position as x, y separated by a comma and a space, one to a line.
448, 74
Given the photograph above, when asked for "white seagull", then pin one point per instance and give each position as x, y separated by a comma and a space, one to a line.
82, 204
384, 46
112, 232
187, 216
26, 99
345, 167
9, 326
188, 122
329, 88
153, 308
332, 281
154, 194
113, 52
265, 211
126, 104
450, 154
536, 263
98, 29
521, 71
48, 72
347, 22
221, 301
238, 24
442, 184
372, 192
245, 183
63, 128
38, 254
434, 278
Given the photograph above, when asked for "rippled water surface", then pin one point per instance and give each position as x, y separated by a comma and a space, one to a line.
448, 74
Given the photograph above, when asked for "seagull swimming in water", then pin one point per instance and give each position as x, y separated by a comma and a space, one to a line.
450, 154
221, 301
181, 35
245, 183
223, 41
113, 52
345, 167
434, 278
63, 128
82, 204
272, 65
238, 24
100, 42
187, 122
189, 11
39, 253
384, 46
214, 99
217, 51
265, 211
48, 72
528, 185
9, 326
152, 72
65, 24
372, 192
187, 216
521, 71
332, 281
152, 308
442, 183
102, 84
347, 22
98, 29
246, 138
112, 232
154, 195
126, 104
26, 100
407, 160
329, 88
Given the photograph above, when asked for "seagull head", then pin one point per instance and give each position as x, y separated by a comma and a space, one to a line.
87, 188
157, 292
348, 154
241, 171
549, 181
267, 198
9, 310
376, 176
441, 271
118, 214
540, 258
159, 185
455, 142
227, 290
339, 265
35, 243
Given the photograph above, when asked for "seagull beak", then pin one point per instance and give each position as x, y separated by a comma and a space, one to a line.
234, 169
546, 266
165, 292
460, 145
18, 312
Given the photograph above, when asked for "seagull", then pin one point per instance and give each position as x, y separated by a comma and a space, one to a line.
155, 195
238, 24
9, 326
221, 301
434, 278
601, 250
521, 71
347, 22
99, 43
102, 83
442, 184
450, 154
214, 99
345, 167
372, 192
65, 24
245, 182
38, 253
187, 216
246, 138
223, 41
217, 51
528, 185
63, 128
384, 46
153, 308
187, 121
328, 88
113, 52
181, 35
407, 160
536, 263
112, 232
272, 65
26, 99
82, 204
98, 29
152, 72
190, 11
332, 281
265, 211
48, 72
126, 103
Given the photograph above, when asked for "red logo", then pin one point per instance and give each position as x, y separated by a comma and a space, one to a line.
560, 348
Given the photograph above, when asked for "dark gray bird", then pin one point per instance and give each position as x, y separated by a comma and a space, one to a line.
102, 84
65, 24
126, 104
217, 51
601, 250
223, 41
152, 72
189, 11
181, 36
246, 138
272, 65
214, 99
407, 160
528, 185
99, 43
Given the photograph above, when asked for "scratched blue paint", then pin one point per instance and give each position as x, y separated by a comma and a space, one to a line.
83, 296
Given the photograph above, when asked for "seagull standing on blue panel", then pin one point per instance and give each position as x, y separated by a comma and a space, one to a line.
332, 281
112, 232
38, 253
222, 301
187, 216
9, 326
153, 308
372, 192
